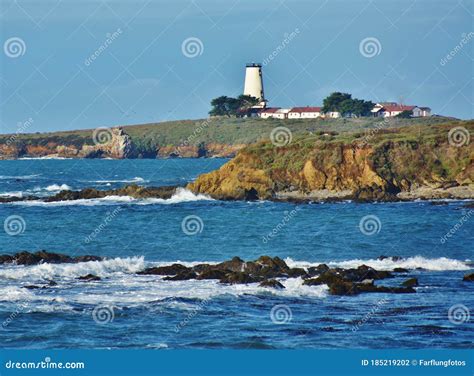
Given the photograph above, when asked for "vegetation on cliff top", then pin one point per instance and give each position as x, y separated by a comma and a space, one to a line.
383, 160
147, 138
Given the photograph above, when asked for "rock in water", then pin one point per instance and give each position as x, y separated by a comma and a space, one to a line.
239, 277
173, 269
183, 276
412, 282
469, 277
89, 277
273, 283
28, 258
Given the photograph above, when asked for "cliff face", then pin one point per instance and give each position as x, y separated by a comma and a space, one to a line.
113, 143
388, 168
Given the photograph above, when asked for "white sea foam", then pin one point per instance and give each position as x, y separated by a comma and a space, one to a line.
106, 268
53, 188
436, 264
12, 194
181, 195
136, 179
21, 177
53, 157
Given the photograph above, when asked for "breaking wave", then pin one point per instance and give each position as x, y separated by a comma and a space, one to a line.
436, 264
181, 195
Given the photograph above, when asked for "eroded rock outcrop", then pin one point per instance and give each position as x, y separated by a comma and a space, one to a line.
394, 166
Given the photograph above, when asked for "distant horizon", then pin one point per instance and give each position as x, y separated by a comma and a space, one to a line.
80, 66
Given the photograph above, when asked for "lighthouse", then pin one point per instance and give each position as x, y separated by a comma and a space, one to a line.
253, 85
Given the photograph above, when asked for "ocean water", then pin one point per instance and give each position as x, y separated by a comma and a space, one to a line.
125, 310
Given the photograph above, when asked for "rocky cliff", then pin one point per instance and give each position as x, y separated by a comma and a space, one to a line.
388, 165
113, 143
106, 143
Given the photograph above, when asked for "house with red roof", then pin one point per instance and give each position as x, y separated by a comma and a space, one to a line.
390, 109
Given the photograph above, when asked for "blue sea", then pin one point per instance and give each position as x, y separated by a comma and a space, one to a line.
126, 310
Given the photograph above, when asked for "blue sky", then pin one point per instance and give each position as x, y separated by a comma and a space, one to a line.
142, 75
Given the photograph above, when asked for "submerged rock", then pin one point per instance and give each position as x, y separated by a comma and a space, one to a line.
392, 258
412, 282
400, 270
468, 277
273, 283
89, 277
182, 276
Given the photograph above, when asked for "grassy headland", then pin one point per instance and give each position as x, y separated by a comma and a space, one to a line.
377, 163
192, 138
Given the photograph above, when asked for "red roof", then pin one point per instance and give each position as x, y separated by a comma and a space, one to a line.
270, 110
398, 107
305, 109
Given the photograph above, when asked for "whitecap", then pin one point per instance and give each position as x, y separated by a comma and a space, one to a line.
181, 195
435, 264
136, 179
46, 271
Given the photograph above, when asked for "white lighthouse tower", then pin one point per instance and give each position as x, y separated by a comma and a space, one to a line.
253, 85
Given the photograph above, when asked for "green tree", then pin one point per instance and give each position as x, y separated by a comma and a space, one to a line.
346, 105
228, 106
220, 106
334, 101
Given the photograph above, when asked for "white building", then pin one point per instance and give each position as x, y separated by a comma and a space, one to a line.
304, 113
390, 109
333, 114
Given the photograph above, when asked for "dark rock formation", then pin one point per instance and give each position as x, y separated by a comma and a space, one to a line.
28, 258
273, 283
412, 282
131, 190
182, 276
89, 277
317, 270
468, 277
165, 270
239, 277
400, 270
